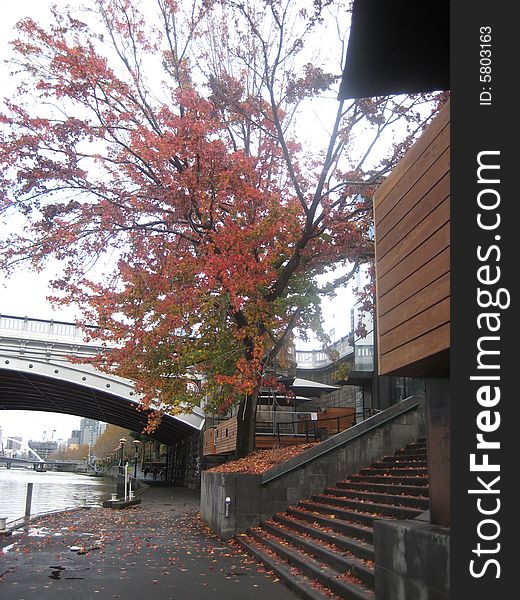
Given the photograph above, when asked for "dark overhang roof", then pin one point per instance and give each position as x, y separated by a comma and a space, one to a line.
397, 47
23, 391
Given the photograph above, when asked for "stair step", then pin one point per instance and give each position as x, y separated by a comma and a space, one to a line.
398, 463
388, 487
406, 471
323, 547
355, 530
328, 556
346, 515
381, 498
417, 480
299, 583
411, 452
418, 444
312, 568
358, 548
407, 457
390, 510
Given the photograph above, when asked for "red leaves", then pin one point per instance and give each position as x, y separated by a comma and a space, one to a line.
262, 460
142, 143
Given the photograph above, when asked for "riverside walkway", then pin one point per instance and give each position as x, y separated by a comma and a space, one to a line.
158, 549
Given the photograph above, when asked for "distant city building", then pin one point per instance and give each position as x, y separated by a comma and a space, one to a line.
90, 430
74, 438
43, 448
13, 443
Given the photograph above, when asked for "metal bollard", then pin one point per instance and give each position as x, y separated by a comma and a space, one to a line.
28, 500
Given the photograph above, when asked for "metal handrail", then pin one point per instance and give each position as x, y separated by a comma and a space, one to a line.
295, 433
317, 425
377, 423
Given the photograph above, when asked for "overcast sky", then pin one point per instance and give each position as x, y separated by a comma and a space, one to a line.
25, 293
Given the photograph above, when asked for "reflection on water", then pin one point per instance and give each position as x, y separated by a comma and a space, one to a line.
51, 491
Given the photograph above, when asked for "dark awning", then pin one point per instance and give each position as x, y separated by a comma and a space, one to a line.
397, 47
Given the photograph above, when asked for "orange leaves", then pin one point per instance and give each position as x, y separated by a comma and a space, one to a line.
262, 460
150, 154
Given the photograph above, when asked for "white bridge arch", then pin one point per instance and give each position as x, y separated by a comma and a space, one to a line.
23, 445
36, 374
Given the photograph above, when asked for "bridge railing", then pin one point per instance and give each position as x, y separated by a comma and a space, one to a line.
30, 328
314, 359
62, 330
40, 327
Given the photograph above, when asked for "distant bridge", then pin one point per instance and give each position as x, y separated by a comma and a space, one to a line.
39, 465
36, 374
317, 359
26, 446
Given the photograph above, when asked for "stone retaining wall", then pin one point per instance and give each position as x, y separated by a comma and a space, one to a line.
257, 497
412, 560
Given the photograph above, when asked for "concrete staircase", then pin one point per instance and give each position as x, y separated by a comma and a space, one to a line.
323, 547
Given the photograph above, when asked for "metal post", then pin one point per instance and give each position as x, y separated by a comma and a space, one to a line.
28, 500
137, 445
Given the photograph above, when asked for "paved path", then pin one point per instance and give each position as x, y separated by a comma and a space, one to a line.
157, 550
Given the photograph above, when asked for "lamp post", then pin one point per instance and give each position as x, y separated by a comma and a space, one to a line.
137, 444
122, 443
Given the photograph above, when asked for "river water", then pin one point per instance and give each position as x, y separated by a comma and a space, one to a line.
51, 491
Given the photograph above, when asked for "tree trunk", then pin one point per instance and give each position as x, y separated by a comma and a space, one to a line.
246, 421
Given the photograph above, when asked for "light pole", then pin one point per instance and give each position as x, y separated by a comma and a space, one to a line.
137, 444
122, 443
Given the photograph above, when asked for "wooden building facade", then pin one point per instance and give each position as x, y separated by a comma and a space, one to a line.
412, 240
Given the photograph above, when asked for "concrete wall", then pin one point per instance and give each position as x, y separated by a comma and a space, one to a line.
184, 461
327, 374
345, 396
412, 561
248, 501
256, 497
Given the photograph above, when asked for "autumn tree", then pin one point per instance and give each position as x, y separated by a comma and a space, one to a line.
74, 453
163, 158
108, 441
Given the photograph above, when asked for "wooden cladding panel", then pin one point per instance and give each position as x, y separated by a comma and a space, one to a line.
208, 442
415, 284
408, 258
399, 226
437, 291
416, 161
419, 349
343, 418
422, 174
226, 436
266, 442
431, 318
412, 232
